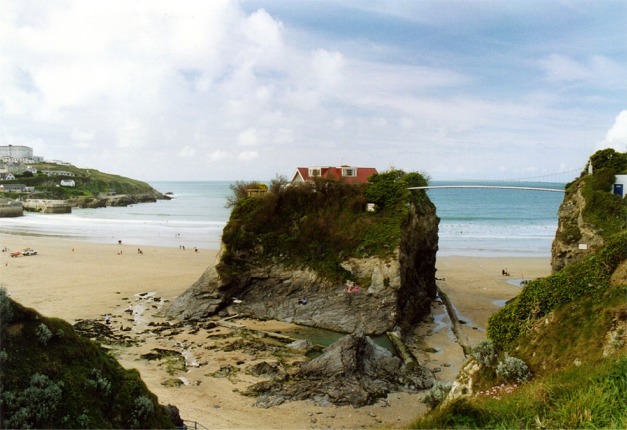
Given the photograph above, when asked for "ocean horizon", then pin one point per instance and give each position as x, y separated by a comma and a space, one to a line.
474, 222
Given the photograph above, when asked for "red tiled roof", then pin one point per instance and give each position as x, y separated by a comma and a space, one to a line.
361, 173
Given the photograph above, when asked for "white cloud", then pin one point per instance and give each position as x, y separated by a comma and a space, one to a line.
186, 152
248, 138
248, 155
616, 137
180, 85
597, 69
218, 155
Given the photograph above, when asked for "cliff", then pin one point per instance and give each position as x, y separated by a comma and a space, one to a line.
50, 377
590, 213
556, 354
314, 256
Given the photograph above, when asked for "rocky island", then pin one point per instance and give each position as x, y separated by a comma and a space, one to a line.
312, 254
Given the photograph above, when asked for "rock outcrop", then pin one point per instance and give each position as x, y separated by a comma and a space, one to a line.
590, 212
392, 293
118, 200
574, 238
353, 371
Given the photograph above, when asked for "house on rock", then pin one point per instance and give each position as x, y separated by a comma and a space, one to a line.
350, 174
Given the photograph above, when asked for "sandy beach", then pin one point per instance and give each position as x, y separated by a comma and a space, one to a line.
79, 280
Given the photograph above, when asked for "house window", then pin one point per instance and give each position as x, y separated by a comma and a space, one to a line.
314, 172
349, 172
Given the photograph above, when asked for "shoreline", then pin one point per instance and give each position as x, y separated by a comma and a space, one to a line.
83, 280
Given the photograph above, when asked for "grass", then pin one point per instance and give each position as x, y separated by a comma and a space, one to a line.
89, 183
587, 277
589, 396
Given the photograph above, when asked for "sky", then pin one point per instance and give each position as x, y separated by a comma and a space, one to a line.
252, 89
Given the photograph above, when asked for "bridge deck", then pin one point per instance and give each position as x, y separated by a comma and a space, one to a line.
431, 187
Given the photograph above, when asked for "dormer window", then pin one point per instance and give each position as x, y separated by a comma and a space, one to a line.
315, 172
349, 172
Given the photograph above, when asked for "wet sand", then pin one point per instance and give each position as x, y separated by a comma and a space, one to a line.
77, 280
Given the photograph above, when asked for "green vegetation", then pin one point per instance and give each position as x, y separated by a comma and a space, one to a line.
567, 331
319, 224
588, 278
52, 378
578, 397
89, 183
604, 210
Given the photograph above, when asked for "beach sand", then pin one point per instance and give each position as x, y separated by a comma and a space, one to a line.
79, 280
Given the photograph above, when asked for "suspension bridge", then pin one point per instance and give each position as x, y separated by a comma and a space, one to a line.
554, 189
506, 187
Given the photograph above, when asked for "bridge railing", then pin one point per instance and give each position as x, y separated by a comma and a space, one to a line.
192, 425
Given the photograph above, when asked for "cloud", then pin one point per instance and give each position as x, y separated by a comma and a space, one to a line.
248, 138
598, 70
616, 137
186, 152
199, 89
247, 155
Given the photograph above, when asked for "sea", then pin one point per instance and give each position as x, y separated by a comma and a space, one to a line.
482, 222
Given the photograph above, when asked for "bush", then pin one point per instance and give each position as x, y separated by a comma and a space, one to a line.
44, 333
142, 410
6, 308
437, 393
512, 369
98, 382
33, 407
485, 353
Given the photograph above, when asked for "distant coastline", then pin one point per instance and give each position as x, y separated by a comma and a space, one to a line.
479, 223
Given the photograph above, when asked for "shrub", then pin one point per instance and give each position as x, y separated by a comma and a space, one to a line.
485, 353
44, 333
33, 407
437, 393
143, 408
6, 308
98, 382
512, 369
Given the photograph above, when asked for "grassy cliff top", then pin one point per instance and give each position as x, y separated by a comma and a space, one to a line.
88, 183
319, 224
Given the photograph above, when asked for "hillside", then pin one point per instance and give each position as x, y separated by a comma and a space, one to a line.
92, 188
556, 355
50, 377
589, 214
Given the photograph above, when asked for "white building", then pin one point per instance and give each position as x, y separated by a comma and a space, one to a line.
16, 151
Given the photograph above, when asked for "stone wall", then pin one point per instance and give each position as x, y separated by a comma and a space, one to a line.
10, 208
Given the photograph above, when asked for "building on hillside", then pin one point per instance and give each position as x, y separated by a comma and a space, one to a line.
350, 174
57, 173
18, 154
15, 188
620, 185
7, 177
68, 183
16, 151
